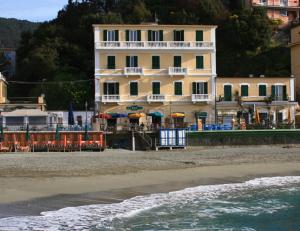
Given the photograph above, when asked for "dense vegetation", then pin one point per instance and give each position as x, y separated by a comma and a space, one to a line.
62, 50
11, 29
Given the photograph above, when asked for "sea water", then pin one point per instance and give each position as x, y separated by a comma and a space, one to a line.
267, 204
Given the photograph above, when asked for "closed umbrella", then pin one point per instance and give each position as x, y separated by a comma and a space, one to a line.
289, 116
257, 118
27, 136
86, 135
57, 133
71, 115
1, 134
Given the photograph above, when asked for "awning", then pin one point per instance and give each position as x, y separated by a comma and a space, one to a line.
155, 114
136, 115
177, 115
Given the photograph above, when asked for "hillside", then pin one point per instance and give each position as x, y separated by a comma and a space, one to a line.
11, 29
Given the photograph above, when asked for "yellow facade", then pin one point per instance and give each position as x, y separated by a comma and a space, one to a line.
295, 57
272, 98
3, 89
188, 73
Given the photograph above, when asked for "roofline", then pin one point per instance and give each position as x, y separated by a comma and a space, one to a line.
153, 25
256, 77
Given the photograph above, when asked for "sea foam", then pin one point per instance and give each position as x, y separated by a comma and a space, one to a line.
102, 216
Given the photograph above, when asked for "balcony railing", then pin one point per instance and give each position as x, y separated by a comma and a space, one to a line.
201, 97
154, 45
178, 71
133, 71
110, 98
156, 98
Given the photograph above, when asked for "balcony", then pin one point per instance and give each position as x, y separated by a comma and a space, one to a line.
133, 71
159, 45
110, 98
201, 98
156, 98
178, 71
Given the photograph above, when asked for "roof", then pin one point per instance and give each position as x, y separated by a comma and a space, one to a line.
154, 25
24, 112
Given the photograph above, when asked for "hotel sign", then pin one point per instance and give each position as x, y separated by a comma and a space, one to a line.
134, 108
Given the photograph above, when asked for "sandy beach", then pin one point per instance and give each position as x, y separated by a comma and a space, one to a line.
31, 183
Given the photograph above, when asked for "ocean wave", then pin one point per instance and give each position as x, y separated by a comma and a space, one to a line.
103, 216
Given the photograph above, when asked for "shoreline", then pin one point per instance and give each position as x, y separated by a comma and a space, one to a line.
123, 175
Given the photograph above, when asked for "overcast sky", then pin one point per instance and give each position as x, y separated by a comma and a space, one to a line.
32, 10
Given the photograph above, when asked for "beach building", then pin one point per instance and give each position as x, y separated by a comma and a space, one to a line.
285, 10
267, 99
295, 57
155, 74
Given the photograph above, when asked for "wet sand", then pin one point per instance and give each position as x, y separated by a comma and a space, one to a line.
32, 183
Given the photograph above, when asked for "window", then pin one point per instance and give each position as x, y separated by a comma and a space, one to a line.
15, 121
178, 35
111, 63
199, 62
110, 35
279, 116
131, 61
155, 35
134, 88
177, 61
37, 120
111, 88
155, 62
200, 88
227, 93
156, 88
199, 36
177, 88
279, 93
133, 35
262, 90
244, 90
283, 13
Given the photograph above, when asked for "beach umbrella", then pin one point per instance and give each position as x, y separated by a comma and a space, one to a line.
57, 133
27, 136
257, 119
1, 134
86, 135
71, 115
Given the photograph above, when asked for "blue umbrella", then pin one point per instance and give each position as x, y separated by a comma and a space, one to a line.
71, 115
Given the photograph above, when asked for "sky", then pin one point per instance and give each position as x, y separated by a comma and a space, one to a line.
32, 10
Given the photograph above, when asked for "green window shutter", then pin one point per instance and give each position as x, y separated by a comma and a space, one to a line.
174, 35
205, 88
182, 36
104, 88
199, 36
104, 35
127, 35
273, 92
161, 35
199, 62
117, 35
127, 61
136, 61
117, 88
262, 90
149, 35
133, 88
177, 61
227, 93
178, 88
284, 93
111, 63
155, 62
139, 35
194, 85
244, 90
155, 88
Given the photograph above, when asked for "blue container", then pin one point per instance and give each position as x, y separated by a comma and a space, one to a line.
194, 127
